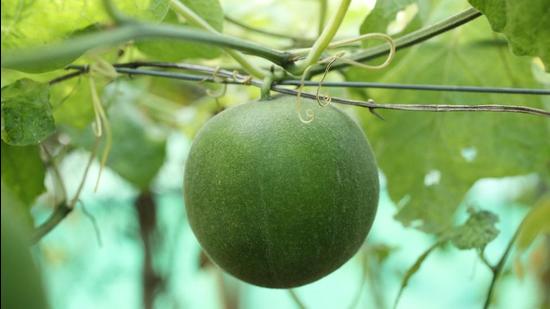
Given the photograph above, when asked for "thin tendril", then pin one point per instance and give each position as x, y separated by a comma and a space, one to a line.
97, 125
103, 123
218, 94
217, 79
325, 98
214, 76
382, 36
308, 112
245, 80
93, 221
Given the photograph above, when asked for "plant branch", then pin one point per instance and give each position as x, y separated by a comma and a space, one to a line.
73, 48
405, 41
324, 38
497, 269
299, 303
198, 21
63, 209
56, 173
231, 77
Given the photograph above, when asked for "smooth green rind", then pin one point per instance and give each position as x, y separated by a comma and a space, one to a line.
21, 281
276, 202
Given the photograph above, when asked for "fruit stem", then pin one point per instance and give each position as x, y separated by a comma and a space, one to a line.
325, 38
323, 6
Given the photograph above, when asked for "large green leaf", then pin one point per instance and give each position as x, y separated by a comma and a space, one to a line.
72, 102
138, 149
138, 146
26, 113
27, 23
526, 24
22, 175
382, 16
432, 159
384, 13
168, 50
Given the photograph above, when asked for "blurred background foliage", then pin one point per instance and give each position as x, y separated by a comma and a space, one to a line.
128, 245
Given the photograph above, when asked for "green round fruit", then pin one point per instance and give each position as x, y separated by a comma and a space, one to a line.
277, 202
21, 281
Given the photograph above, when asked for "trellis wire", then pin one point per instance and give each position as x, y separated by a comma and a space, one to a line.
229, 77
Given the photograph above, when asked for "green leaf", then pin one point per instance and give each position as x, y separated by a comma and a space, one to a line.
157, 10
72, 102
379, 20
168, 50
138, 146
476, 232
432, 159
11, 203
22, 175
526, 25
138, 149
26, 113
24, 23
385, 13
536, 222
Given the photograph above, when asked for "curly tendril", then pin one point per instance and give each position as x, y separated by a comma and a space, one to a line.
220, 93
101, 121
325, 100
309, 113
245, 80
363, 37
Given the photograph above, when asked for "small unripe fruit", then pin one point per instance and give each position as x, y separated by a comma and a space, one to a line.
277, 202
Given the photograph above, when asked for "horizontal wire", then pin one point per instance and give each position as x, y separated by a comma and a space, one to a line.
229, 77
357, 84
421, 87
